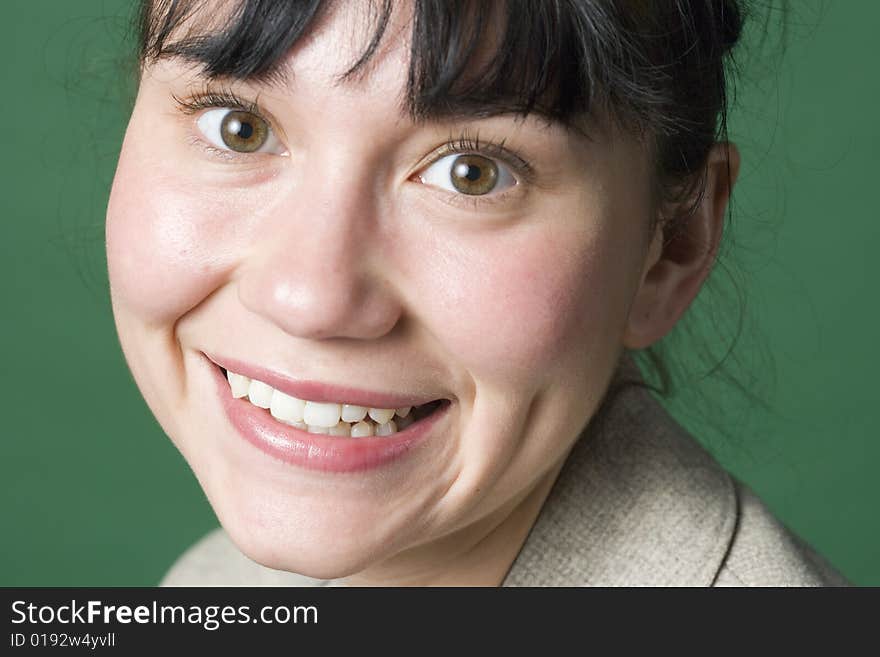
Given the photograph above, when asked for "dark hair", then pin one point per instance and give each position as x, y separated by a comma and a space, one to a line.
659, 69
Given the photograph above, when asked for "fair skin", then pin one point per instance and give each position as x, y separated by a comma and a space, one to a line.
332, 259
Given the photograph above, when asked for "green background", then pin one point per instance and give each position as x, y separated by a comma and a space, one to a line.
94, 494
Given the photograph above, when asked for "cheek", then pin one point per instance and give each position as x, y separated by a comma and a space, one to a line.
529, 303
167, 246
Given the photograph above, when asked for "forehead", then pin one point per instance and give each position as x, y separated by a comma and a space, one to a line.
330, 53
477, 59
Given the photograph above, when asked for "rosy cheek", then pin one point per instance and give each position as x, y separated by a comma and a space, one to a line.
166, 249
517, 306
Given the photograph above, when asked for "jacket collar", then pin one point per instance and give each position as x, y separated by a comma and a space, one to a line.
638, 502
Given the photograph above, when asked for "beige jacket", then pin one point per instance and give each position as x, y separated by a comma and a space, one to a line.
638, 503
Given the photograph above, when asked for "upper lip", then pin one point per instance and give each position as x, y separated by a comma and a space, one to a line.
318, 391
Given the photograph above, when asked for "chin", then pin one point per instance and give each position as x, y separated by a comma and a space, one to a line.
312, 555
321, 539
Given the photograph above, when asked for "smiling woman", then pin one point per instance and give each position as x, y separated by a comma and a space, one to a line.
380, 272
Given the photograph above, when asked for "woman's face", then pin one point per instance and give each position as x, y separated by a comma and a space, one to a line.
343, 262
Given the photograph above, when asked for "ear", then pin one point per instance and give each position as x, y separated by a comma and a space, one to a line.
673, 273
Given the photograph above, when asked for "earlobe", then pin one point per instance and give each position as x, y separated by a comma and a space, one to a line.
675, 270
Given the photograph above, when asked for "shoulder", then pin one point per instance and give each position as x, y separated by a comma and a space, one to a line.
640, 502
214, 560
764, 552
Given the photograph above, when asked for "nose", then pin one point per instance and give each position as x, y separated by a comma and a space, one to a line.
316, 269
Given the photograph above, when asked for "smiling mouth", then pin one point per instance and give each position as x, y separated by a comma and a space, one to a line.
328, 418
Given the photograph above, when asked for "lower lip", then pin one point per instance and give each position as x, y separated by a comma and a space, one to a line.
317, 451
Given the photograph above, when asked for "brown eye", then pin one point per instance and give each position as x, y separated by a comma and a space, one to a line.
243, 132
239, 131
468, 173
473, 174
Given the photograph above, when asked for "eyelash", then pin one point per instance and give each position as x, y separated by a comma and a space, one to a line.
209, 99
465, 142
212, 99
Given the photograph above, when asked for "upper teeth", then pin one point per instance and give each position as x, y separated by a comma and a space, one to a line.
320, 417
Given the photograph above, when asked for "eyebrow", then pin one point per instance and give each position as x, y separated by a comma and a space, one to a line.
474, 109
277, 77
